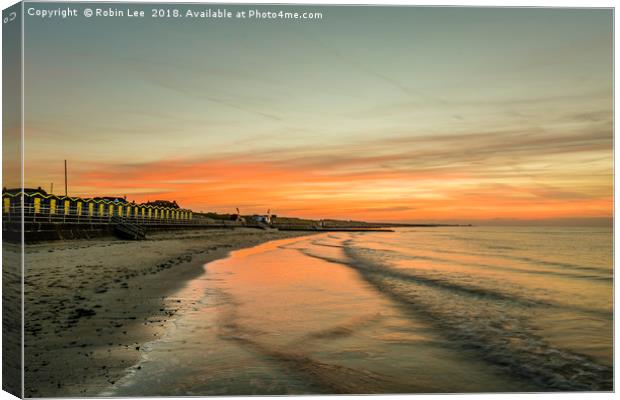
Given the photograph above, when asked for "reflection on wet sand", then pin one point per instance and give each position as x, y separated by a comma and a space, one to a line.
333, 313
270, 320
331, 377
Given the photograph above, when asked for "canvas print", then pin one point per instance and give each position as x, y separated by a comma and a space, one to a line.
205, 199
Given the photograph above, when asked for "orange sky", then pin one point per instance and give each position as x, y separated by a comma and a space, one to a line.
381, 114
520, 177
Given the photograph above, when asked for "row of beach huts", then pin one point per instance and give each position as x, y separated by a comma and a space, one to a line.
38, 204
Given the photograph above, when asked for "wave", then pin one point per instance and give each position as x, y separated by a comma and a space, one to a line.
325, 377
346, 329
316, 243
495, 246
366, 266
403, 253
493, 324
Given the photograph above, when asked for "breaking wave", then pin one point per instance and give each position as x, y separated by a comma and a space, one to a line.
490, 318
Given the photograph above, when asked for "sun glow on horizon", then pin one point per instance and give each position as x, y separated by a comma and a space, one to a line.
332, 119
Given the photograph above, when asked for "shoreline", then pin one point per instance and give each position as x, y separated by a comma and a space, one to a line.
92, 304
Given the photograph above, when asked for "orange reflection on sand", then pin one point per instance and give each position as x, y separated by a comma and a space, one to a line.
270, 285
272, 245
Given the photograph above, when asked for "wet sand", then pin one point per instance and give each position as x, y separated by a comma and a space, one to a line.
270, 320
91, 304
363, 313
11, 319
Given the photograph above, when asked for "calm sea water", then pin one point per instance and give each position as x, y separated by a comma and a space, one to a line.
419, 310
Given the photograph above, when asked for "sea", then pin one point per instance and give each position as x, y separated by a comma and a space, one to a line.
417, 310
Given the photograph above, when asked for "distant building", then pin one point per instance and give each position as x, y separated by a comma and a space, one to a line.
162, 203
114, 199
25, 190
265, 219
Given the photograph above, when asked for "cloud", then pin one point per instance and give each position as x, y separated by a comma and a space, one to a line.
476, 176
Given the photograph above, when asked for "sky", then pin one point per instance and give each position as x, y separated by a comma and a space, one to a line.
382, 114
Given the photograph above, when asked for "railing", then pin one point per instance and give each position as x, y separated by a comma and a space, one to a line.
80, 215
39, 207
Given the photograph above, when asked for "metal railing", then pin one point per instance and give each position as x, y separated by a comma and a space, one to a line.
74, 215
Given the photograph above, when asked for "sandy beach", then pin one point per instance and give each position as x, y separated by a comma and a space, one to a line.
246, 311
91, 304
390, 312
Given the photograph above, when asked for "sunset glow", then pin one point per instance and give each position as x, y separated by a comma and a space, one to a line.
429, 118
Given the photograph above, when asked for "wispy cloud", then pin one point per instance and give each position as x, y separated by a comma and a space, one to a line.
484, 175
382, 114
